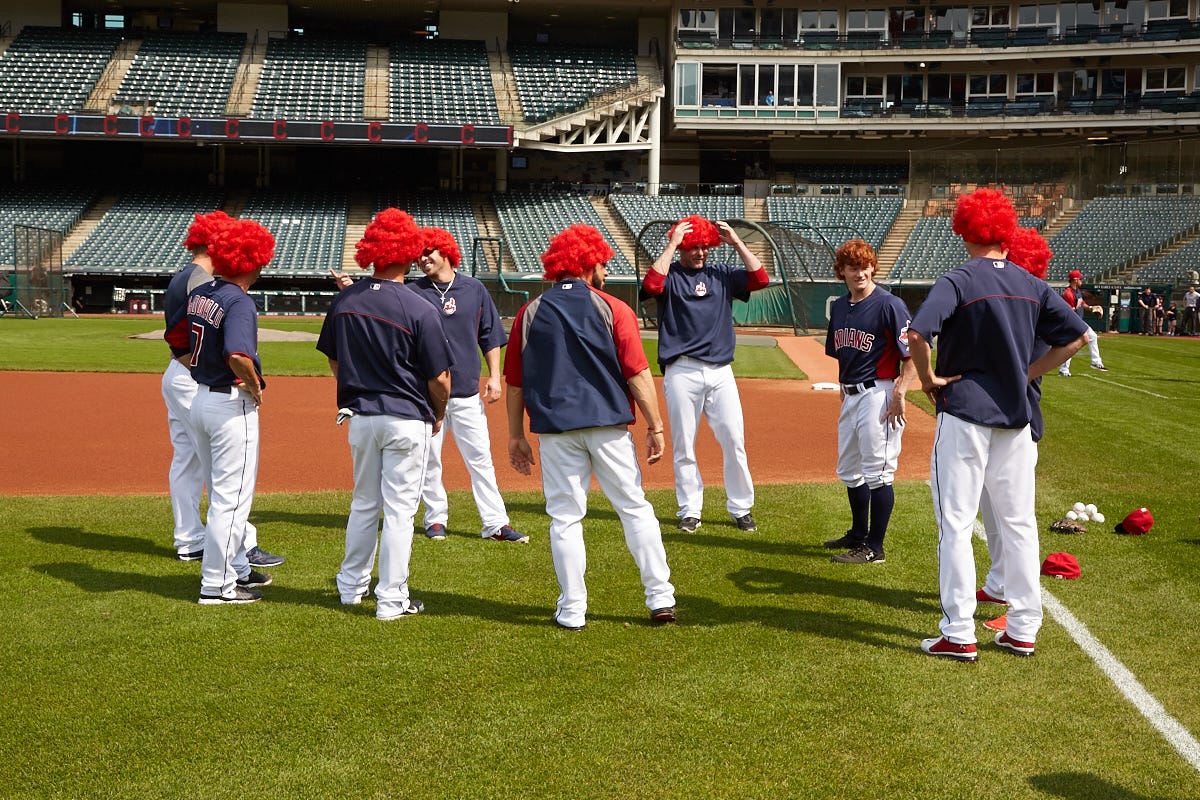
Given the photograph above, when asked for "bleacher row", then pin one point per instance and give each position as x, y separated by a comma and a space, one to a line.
142, 232
55, 70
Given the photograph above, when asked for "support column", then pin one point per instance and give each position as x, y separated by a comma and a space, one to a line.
653, 170
502, 170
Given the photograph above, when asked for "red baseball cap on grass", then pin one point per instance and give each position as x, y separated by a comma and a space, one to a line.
1138, 522
1061, 565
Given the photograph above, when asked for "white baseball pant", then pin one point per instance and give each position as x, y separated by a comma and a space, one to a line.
966, 458
568, 462
693, 388
389, 455
466, 420
186, 479
868, 447
226, 429
1093, 352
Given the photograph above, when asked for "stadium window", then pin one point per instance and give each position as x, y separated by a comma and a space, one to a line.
869, 20
955, 21
76, 20
989, 17
989, 86
805, 85
828, 85
1075, 15
687, 84
696, 19
1042, 15
1034, 83
819, 20
864, 87
905, 21
1166, 9
114, 21
1165, 79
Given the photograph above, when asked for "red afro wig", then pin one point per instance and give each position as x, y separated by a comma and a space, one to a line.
985, 216
703, 233
574, 251
442, 241
203, 228
393, 237
1028, 248
854, 253
240, 247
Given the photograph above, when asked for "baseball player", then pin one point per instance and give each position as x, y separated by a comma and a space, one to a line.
387, 350
695, 349
223, 324
574, 362
868, 335
186, 478
472, 324
987, 315
1073, 294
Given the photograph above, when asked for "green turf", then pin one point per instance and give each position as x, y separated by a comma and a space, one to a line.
106, 345
787, 676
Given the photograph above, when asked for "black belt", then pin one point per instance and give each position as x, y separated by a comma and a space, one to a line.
858, 388
221, 389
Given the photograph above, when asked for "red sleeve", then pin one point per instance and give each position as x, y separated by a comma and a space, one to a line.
512, 353
654, 282
757, 280
177, 336
628, 338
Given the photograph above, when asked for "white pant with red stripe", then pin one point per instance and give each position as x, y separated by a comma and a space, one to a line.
466, 420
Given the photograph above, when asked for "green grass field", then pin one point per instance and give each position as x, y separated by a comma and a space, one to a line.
787, 676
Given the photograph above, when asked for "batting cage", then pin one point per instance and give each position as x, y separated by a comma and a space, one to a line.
37, 285
800, 263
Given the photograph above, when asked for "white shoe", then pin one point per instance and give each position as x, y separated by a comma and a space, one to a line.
1063, 374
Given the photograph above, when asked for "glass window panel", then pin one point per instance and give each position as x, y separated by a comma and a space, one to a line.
827, 84
1175, 78
687, 89
805, 85
747, 91
786, 96
772, 23
766, 84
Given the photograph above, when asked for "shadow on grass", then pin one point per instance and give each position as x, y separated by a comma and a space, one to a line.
1081, 785
749, 542
113, 543
308, 520
760, 580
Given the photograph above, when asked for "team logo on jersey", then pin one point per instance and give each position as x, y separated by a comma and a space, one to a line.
375, 287
701, 289
998, 264
449, 307
904, 333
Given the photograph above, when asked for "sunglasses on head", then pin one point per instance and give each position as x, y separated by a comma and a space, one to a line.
428, 251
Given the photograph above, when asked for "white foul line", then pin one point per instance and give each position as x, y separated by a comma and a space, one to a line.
1126, 682
1123, 386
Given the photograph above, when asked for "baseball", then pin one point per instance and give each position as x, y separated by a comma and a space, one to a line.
1097, 517
1084, 516
1072, 515
1090, 508
1078, 507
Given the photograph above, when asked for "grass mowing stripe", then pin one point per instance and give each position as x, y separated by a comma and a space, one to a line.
1126, 682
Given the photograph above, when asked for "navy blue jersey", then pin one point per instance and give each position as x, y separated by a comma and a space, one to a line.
868, 338
988, 315
695, 316
471, 323
388, 343
175, 306
572, 352
222, 321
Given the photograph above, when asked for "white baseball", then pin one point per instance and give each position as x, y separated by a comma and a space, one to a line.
1090, 508
1084, 517
1078, 507
1097, 517
1072, 515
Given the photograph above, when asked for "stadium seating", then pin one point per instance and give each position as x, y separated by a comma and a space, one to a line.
1172, 268
839, 218
40, 205
529, 220
440, 81
51, 70
1110, 231
554, 80
309, 229
143, 232
448, 210
637, 211
933, 248
183, 74
312, 78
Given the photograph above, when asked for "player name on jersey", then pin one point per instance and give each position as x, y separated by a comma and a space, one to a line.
851, 337
206, 309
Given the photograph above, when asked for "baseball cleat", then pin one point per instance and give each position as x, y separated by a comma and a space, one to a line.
1014, 646
508, 534
436, 531
997, 624
1100, 367
195, 555
847, 541
261, 558
255, 579
745, 523
413, 608
862, 554
941, 646
662, 616
241, 595
568, 627
689, 524
1062, 374
983, 597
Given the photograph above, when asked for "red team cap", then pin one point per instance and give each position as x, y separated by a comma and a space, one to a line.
1138, 522
443, 241
702, 234
1061, 565
1028, 248
573, 251
240, 247
1075, 275
393, 237
204, 227
985, 216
